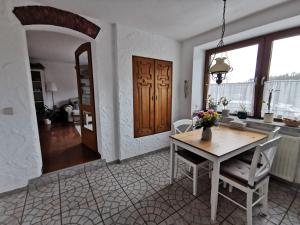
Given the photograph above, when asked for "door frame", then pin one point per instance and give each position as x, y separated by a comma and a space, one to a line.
96, 74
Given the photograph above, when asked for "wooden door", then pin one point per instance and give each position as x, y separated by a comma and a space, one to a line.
85, 83
163, 95
143, 92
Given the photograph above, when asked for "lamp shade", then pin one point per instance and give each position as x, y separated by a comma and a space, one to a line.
220, 66
51, 87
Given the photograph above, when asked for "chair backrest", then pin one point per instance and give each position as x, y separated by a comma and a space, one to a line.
274, 133
266, 151
184, 123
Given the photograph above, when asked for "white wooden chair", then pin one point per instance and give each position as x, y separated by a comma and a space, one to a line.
194, 161
250, 178
248, 155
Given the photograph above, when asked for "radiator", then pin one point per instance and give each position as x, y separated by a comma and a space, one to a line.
286, 161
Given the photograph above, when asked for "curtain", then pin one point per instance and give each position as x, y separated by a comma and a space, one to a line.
237, 93
286, 98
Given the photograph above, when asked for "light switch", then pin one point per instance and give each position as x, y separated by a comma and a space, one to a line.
8, 111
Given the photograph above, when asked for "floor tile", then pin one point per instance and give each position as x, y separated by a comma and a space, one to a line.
154, 209
138, 191
198, 213
95, 165
203, 184
176, 196
160, 163
11, 208
54, 220
238, 217
112, 203
78, 198
137, 162
119, 168
37, 211
44, 186
76, 181
174, 219
159, 180
127, 178
98, 174
147, 170
128, 216
81, 217
280, 193
275, 212
293, 215
105, 185
72, 171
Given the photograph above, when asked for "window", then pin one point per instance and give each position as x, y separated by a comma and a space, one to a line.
284, 78
239, 85
268, 62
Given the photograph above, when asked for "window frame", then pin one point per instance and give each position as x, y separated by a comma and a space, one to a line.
263, 62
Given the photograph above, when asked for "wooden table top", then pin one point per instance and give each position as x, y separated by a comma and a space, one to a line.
224, 139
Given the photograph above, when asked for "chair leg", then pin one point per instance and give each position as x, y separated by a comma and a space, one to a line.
175, 166
195, 180
249, 206
265, 199
209, 169
230, 188
224, 184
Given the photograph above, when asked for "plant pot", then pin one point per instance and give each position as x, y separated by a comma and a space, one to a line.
268, 117
206, 134
47, 121
242, 115
225, 112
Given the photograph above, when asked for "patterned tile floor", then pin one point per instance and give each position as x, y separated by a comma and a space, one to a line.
135, 192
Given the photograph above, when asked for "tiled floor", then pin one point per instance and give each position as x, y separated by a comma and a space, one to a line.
134, 192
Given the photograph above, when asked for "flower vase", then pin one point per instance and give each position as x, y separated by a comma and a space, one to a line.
206, 134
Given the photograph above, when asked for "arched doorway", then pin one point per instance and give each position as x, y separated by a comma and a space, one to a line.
51, 19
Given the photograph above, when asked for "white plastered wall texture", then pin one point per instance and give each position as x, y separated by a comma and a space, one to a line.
135, 42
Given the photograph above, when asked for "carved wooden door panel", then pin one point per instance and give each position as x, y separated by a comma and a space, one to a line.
163, 95
143, 92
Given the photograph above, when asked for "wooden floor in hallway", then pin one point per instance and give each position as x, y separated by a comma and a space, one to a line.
61, 147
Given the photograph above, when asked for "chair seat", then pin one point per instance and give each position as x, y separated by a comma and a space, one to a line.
239, 171
192, 157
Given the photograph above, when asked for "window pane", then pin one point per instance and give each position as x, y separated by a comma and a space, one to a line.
284, 78
239, 83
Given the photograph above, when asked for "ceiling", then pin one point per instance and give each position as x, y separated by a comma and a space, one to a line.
177, 19
52, 46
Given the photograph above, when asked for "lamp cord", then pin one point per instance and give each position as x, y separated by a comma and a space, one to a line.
221, 42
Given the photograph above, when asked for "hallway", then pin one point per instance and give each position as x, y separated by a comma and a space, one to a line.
61, 147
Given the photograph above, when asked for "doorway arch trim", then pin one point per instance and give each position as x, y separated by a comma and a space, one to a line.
46, 15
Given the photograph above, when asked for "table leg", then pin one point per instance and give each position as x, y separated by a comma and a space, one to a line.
214, 190
172, 156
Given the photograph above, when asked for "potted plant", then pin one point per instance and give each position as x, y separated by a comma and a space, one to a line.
206, 120
212, 104
242, 114
269, 116
224, 101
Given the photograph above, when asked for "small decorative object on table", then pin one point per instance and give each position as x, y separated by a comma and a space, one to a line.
206, 120
268, 117
224, 101
242, 114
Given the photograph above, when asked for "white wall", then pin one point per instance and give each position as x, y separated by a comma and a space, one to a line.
64, 76
135, 42
20, 157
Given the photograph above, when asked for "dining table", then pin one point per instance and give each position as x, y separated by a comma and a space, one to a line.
225, 143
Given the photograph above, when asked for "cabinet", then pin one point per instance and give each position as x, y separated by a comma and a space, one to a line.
152, 91
38, 86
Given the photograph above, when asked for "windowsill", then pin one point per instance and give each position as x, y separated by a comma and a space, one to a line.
260, 125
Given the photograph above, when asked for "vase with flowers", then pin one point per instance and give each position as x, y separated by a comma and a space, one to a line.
206, 120
224, 101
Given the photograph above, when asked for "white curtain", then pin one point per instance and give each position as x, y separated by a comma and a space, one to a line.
286, 98
237, 93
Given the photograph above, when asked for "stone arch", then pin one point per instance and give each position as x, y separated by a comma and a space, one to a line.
46, 15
